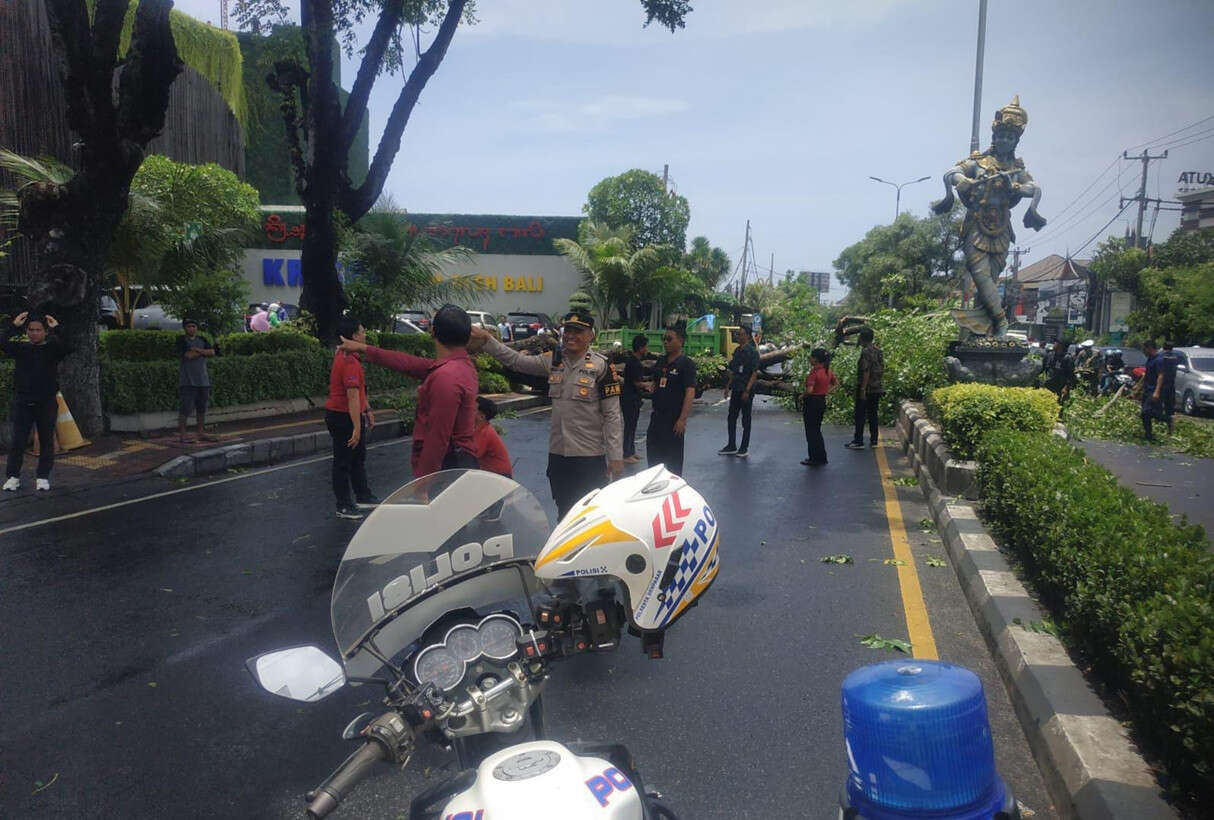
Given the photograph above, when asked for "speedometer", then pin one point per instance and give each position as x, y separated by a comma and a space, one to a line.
440, 666
499, 636
463, 642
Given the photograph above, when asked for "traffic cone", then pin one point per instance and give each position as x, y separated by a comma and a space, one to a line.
66, 431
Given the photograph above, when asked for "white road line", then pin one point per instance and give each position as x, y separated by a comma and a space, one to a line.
253, 474
116, 505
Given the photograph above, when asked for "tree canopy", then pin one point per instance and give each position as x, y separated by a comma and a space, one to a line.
907, 264
638, 199
1172, 284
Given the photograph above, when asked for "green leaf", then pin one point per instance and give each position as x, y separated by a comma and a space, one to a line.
840, 558
933, 561
894, 562
875, 641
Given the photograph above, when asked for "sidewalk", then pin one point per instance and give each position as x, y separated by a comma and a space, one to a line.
251, 442
1185, 483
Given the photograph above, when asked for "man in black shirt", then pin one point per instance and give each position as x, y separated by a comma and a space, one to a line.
630, 395
672, 398
35, 387
743, 370
1168, 361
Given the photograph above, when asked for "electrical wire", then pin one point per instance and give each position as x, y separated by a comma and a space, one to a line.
1171, 134
1094, 236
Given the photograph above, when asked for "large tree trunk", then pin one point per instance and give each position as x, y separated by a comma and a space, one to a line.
72, 225
322, 294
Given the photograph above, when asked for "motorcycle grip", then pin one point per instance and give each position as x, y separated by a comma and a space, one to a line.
326, 797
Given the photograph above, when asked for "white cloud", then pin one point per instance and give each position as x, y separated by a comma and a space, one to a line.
596, 114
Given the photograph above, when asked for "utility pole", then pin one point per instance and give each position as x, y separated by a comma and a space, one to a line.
978, 75
745, 262
223, 15
771, 269
666, 179
1141, 199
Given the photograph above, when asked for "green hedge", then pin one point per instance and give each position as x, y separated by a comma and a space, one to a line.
419, 344
1133, 589
273, 341
160, 345
138, 345
966, 412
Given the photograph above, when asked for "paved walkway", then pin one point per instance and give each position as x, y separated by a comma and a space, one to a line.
1185, 483
118, 456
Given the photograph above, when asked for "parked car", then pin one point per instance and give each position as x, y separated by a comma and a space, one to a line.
1195, 379
417, 317
404, 325
154, 317
110, 316
530, 324
483, 319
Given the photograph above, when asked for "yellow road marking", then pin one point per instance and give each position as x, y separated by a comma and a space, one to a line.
918, 627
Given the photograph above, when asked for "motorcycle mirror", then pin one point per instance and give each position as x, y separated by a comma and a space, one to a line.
303, 673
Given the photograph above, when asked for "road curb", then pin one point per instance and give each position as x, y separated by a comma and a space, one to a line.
1091, 767
284, 448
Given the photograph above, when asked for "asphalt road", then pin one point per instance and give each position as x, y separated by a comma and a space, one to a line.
123, 691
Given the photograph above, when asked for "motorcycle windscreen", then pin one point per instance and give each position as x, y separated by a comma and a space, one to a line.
440, 531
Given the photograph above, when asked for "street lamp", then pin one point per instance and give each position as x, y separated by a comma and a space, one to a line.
898, 199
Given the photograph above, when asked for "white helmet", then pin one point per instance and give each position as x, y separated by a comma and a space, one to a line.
652, 533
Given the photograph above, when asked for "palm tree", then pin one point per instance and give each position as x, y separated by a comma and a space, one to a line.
391, 269
706, 262
616, 277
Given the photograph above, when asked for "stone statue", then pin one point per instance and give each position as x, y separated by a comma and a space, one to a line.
990, 184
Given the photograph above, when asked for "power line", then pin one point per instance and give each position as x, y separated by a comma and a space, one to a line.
1106, 225
1193, 141
1171, 134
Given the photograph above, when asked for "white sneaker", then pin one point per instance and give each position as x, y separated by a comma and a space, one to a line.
13, 484
42, 484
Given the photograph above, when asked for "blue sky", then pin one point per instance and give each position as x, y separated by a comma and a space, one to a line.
778, 111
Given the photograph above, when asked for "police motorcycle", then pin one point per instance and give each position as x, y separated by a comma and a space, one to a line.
454, 599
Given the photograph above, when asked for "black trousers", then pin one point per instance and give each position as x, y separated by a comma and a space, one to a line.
736, 406
662, 446
866, 411
631, 410
349, 463
813, 408
571, 477
25, 415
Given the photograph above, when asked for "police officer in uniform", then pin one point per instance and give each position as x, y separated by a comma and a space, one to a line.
586, 421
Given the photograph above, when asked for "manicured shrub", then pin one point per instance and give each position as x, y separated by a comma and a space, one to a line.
492, 382
138, 387
1133, 589
273, 341
966, 412
138, 345
419, 344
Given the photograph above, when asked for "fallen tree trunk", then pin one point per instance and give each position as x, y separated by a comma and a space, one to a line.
772, 388
781, 355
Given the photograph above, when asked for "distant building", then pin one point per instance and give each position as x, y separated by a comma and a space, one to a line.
515, 261
1050, 294
1198, 208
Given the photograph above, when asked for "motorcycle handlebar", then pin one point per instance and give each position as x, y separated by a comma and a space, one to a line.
329, 794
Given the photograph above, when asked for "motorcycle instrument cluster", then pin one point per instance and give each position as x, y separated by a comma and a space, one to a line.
443, 664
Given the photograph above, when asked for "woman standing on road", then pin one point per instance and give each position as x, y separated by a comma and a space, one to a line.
349, 419
819, 383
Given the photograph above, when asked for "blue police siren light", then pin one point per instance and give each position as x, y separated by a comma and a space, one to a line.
919, 744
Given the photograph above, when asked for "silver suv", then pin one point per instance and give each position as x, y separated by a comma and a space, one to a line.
1195, 379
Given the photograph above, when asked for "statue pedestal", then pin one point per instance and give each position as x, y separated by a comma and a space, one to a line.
992, 360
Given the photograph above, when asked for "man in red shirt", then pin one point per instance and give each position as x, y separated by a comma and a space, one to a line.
446, 399
349, 419
491, 451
